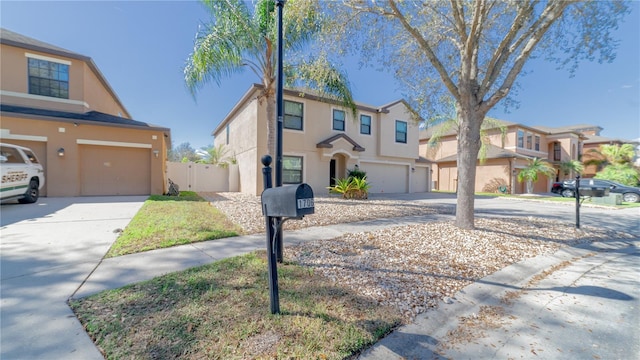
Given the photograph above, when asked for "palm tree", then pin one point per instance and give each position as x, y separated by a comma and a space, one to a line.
571, 166
530, 173
611, 155
240, 38
448, 123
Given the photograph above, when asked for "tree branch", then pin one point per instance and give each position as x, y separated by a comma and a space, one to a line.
549, 16
433, 59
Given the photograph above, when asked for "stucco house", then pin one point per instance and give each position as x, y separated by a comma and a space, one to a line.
59, 104
592, 142
510, 147
322, 141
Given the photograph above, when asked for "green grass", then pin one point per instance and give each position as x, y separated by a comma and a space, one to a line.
221, 311
165, 221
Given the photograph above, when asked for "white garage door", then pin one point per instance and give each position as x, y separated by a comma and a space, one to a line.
386, 178
420, 180
106, 170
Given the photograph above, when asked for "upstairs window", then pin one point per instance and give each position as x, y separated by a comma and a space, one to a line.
338, 120
537, 143
48, 78
293, 115
520, 138
401, 131
365, 124
529, 140
557, 152
292, 169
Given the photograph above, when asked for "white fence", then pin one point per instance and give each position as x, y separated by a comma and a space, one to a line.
203, 177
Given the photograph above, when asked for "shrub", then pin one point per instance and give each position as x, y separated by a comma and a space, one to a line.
356, 173
351, 188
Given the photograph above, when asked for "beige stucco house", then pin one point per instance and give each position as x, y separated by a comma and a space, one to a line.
511, 146
322, 141
57, 103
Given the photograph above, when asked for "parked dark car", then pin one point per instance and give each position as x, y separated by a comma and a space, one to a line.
567, 188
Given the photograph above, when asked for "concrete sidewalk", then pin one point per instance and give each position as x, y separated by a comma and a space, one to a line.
579, 303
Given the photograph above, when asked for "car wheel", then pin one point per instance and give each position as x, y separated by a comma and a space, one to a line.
630, 197
32, 193
568, 193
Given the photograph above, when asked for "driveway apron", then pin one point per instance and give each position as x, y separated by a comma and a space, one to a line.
47, 250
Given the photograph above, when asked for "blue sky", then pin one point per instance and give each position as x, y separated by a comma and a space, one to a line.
141, 48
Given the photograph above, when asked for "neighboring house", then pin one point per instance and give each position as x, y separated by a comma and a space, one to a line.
322, 142
506, 155
592, 143
57, 103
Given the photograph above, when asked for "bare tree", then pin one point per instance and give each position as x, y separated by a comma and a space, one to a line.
474, 50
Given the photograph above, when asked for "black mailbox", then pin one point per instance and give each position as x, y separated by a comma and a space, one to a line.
594, 191
288, 201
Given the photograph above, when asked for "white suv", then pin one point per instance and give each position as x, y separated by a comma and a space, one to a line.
22, 174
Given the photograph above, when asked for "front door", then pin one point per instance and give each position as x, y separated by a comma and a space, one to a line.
332, 172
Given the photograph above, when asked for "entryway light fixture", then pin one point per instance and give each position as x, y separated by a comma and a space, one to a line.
156, 153
61, 152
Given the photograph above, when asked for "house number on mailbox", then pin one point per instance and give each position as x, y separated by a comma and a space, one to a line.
305, 203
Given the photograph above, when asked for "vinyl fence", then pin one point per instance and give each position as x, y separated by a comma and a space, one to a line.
203, 177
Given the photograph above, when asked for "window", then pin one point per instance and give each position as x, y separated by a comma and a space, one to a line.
338, 120
292, 115
557, 152
401, 131
365, 124
12, 155
227, 131
537, 148
292, 169
529, 140
48, 78
520, 138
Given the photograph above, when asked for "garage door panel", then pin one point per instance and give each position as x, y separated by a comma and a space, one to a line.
108, 170
386, 178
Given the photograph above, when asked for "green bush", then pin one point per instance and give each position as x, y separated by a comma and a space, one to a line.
351, 188
356, 173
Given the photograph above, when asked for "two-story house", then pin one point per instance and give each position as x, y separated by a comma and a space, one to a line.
322, 141
59, 104
509, 148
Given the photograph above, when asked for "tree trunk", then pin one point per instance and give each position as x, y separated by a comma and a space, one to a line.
529, 186
468, 147
271, 125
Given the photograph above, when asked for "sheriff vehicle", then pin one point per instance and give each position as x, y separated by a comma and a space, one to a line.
22, 174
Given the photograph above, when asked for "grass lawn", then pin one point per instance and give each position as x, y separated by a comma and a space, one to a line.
165, 221
221, 311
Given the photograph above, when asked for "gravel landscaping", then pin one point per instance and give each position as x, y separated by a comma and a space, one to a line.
411, 267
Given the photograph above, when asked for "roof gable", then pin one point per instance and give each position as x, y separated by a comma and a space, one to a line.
8, 37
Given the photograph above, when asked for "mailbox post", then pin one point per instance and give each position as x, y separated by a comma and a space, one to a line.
274, 297
280, 204
577, 193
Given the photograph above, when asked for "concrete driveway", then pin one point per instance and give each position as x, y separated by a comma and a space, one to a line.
47, 250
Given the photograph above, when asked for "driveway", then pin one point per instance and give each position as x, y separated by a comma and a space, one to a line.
47, 250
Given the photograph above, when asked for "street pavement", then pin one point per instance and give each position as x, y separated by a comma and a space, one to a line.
52, 250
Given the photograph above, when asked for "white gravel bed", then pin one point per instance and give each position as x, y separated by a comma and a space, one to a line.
411, 267
414, 267
246, 210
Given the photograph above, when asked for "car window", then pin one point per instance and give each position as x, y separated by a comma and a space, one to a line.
12, 155
31, 156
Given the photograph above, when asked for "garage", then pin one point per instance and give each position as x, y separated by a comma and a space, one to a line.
386, 178
110, 170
